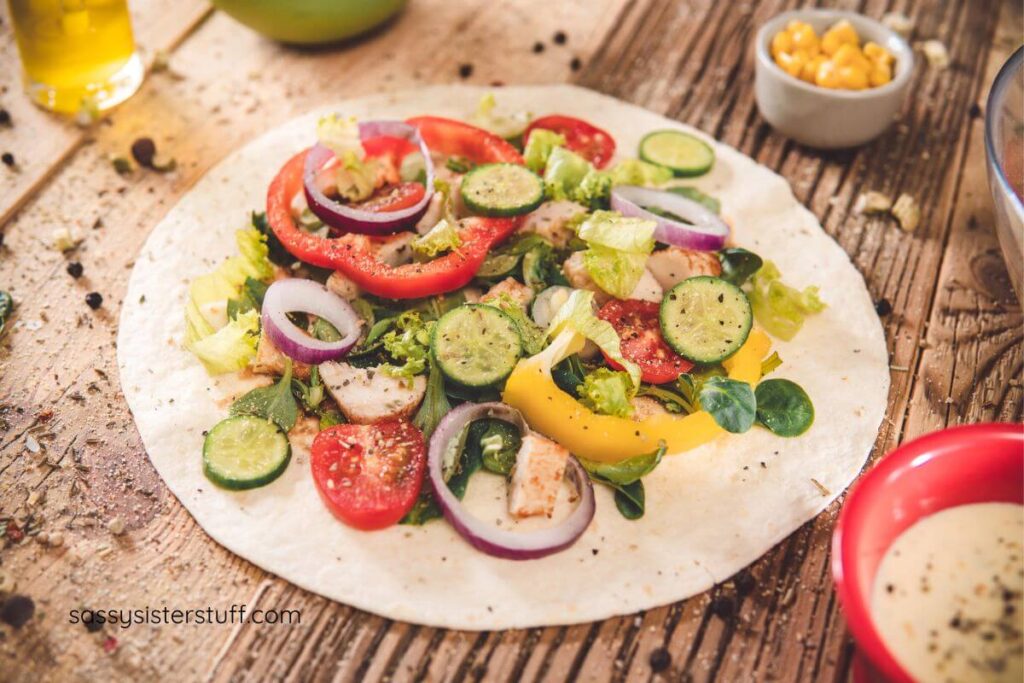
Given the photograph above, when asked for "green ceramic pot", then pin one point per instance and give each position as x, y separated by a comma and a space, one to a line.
309, 22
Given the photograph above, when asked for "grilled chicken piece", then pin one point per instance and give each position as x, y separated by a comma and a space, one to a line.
342, 286
270, 361
537, 477
550, 221
675, 264
367, 395
645, 407
519, 293
647, 289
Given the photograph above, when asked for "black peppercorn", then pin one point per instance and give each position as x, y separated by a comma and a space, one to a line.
17, 610
465, 70
7, 158
660, 659
722, 606
883, 307
559, 38
538, 47
144, 150
92, 624
94, 300
575, 64
75, 269
5, 117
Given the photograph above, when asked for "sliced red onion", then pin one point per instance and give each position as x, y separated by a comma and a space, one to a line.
306, 296
704, 232
510, 545
350, 218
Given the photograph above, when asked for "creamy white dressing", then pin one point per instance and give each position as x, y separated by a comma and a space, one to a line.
947, 597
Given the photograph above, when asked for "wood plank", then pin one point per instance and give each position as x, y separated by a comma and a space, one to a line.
41, 141
691, 60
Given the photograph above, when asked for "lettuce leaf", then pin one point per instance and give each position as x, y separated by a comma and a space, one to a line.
408, 344
618, 249
227, 280
228, 349
564, 172
539, 146
577, 317
440, 238
779, 308
507, 126
637, 172
607, 392
356, 176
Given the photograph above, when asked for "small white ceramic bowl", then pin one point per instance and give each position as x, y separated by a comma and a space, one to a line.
827, 118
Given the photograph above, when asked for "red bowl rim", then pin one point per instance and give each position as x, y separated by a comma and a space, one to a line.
845, 573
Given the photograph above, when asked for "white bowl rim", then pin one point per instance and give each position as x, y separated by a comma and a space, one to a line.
1005, 75
902, 76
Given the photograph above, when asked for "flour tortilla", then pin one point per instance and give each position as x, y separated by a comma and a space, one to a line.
710, 511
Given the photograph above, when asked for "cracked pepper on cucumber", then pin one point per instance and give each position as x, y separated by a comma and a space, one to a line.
432, 301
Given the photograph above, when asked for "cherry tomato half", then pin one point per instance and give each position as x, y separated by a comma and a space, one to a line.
590, 142
369, 475
636, 323
393, 198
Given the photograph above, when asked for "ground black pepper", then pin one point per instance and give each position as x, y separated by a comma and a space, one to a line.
465, 70
94, 300
75, 269
659, 659
17, 610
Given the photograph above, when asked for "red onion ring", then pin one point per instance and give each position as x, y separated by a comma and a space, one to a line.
306, 296
509, 545
349, 218
708, 232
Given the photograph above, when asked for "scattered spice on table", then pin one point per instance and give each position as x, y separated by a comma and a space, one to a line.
883, 307
144, 152
17, 610
75, 269
560, 38
465, 70
538, 47
121, 165
575, 64
94, 300
722, 606
659, 659
8, 159
5, 118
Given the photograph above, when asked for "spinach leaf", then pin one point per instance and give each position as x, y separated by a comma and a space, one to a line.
330, 417
277, 253
324, 331
784, 407
730, 402
630, 500
498, 442
670, 400
771, 363
274, 403
569, 374
435, 402
739, 265
696, 195
6, 307
624, 472
424, 509
311, 395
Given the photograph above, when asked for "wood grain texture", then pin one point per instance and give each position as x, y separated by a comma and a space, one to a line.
954, 334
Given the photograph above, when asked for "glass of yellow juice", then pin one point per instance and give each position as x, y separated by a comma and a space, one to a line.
76, 55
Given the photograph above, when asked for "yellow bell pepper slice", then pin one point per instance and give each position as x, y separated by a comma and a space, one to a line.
609, 439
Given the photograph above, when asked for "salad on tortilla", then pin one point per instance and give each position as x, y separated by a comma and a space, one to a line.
432, 300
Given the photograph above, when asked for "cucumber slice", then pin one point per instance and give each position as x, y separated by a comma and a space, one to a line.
685, 155
245, 452
498, 266
502, 190
705, 319
476, 345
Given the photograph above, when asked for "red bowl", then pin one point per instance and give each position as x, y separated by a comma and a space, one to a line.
971, 464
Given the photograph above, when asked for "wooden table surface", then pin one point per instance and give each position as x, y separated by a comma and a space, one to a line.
954, 331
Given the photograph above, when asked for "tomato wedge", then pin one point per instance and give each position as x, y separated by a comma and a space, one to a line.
353, 254
369, 475
590, 142
636, 323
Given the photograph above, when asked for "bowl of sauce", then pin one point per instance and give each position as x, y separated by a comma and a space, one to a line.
928, 558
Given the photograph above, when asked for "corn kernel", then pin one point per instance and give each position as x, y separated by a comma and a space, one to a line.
796, 24
804, 38
791, 64
853, 78
877, 53
879, 75
845, 32
828, 75
849, 55
811, 67
782, 42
